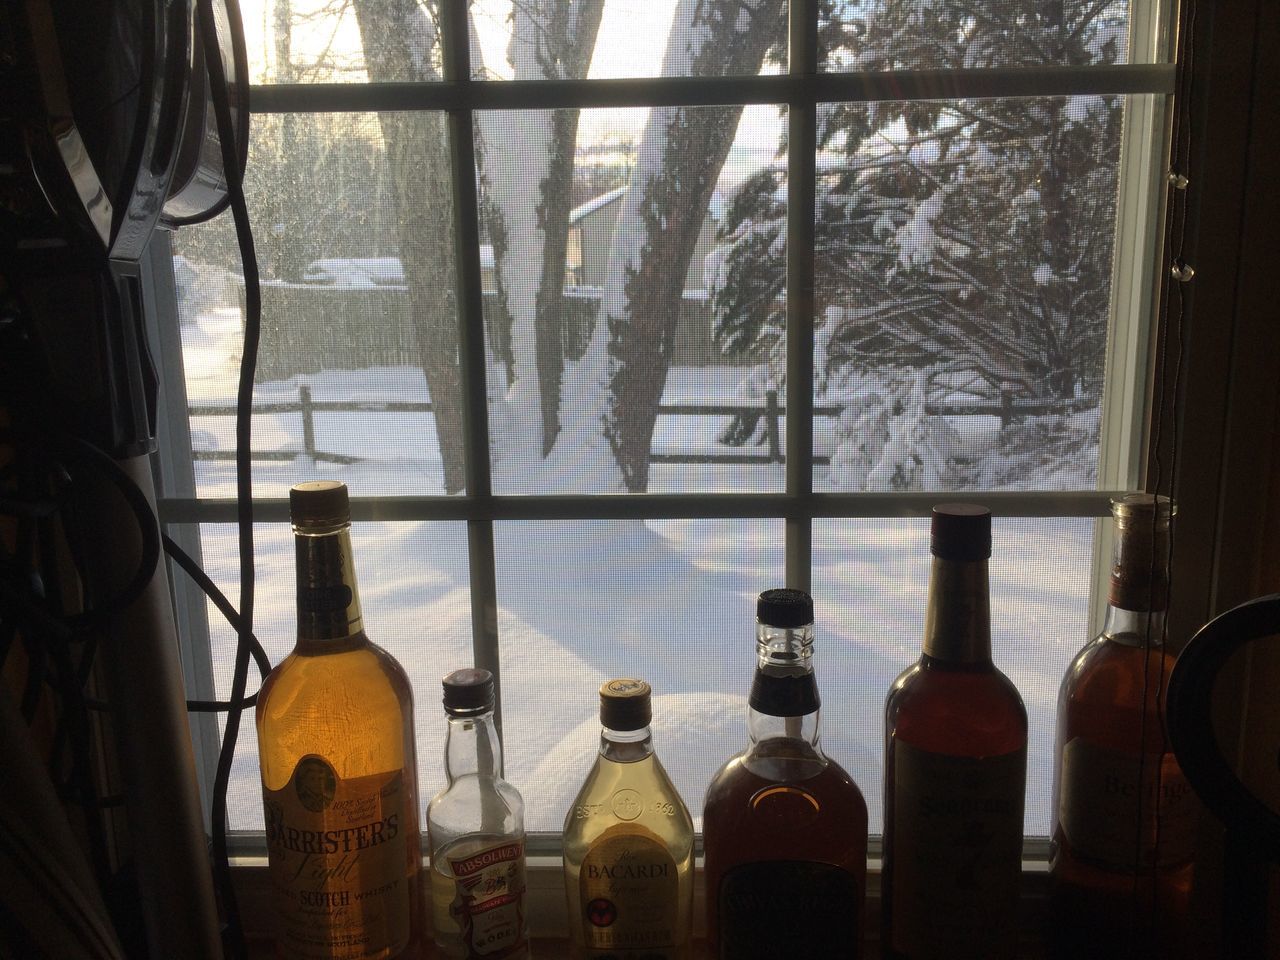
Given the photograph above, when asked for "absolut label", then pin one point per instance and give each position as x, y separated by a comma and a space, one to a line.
482, 901
787, 910
629, 889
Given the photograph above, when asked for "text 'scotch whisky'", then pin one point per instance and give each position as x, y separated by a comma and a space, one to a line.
1124, 816
955, 769
339, 778
784, 827
628, 843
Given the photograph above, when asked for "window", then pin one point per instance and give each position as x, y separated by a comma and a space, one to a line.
750, 287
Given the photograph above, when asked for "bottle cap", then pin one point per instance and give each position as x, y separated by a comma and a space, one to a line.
319, 503
625, 704
468, 692
784, 608
960, 531
1147, 509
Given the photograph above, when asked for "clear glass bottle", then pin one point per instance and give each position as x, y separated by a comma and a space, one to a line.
628, 843
1124, 817
784, 827
339, 776
955, 768
475, 829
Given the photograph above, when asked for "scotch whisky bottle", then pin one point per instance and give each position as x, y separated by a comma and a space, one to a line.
475, 829
628, 843
784, 827
955, 768
1124, 817
339, 777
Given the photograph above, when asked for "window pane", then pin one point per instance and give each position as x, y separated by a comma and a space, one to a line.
875, 35
631, 38
353, 229
415, 597
670, 602
870, 581
607, 373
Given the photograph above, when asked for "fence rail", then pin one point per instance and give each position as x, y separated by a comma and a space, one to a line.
1007, 409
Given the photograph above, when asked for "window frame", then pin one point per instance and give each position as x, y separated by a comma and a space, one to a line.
1130, 354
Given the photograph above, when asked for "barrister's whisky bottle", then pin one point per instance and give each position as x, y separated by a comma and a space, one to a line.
784, 827
955, 769
339, 778
628, 843
1124, 817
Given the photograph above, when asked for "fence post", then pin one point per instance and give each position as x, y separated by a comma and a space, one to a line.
771, 425
1006, 407
308, 421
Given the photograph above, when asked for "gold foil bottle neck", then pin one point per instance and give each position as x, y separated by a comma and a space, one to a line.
1143, 510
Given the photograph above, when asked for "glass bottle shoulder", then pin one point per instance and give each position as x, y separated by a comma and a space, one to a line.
636, 794
947, 708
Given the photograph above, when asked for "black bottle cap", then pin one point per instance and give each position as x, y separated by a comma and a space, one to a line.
960, 531
784, 608
468, 692
319, 503
625, 704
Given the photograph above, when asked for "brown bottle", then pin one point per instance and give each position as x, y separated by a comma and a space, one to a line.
1120, 862
955, 768
784, 827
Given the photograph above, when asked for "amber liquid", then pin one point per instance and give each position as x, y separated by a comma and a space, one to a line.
956, 710
792, 810
1102, 905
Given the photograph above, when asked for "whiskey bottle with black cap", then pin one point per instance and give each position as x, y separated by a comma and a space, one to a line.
955, 768
628, 843
339, 777
784, 827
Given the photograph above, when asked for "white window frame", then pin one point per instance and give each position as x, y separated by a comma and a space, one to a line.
1144, 149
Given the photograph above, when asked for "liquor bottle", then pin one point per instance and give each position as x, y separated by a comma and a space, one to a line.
475, 830
784, 827
1124, 817
339, 776
955, 768
628, 843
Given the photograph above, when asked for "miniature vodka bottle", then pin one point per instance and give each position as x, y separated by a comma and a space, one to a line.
1124, 816
475, 828
784, 827
339, 780
628, 843
955, 768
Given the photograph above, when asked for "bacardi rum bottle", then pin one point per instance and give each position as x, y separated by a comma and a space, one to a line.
1124, 816
955, 769
475, 829
339, 779
628, 843
784, 827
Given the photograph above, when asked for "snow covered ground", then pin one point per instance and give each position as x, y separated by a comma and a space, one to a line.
670, 601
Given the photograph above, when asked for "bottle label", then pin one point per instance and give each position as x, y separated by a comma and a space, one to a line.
789, 909
1109, 819
630, 894
487, 887
956, 853
338, 856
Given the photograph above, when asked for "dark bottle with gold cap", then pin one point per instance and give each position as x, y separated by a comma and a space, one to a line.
628, 843
955, 768
1124, 817
339, 774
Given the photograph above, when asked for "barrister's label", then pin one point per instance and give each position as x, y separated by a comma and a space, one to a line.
630, 895
956, 853
1121, 810
338, 859
788, 910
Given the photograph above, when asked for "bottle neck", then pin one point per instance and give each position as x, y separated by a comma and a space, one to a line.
957, 623
472, 748
625, 746
1134, 628
784, 699
328, 598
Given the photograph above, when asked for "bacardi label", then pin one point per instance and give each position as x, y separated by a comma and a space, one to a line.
339, 863
630, 895
956, 850
787, 910
482, 899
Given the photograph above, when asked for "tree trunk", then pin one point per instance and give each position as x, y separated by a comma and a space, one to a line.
399, 41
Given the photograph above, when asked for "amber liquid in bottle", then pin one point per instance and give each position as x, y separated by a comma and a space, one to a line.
784, 827
339, 775
955, 769
1124, 817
